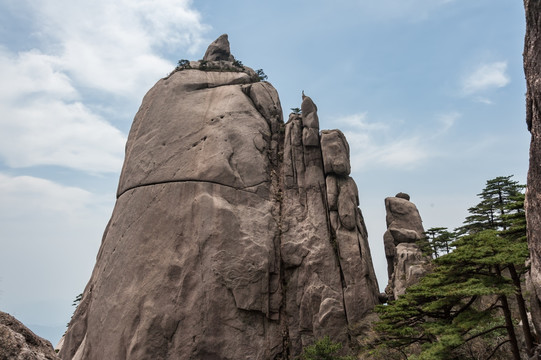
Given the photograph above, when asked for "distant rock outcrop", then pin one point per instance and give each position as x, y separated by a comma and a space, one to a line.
406, 263
234, 235
17, 342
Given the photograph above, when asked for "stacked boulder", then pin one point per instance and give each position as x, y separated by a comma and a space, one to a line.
406, 263
348, 228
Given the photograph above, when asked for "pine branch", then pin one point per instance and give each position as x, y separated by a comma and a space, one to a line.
466, 306
483, 333
496, 349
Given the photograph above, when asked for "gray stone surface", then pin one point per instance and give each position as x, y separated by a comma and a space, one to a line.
219, 50
222, 244
313, 297
335, 150
17, 342
406, 263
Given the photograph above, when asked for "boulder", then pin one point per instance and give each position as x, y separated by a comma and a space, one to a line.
17, 342
335, 151
219, 50
406, 263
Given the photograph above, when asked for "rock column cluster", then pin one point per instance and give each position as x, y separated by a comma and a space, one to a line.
234, 235
324, 242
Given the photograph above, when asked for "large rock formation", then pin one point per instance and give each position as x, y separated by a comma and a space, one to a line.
17, 342
234, 235
532, 70
406, 263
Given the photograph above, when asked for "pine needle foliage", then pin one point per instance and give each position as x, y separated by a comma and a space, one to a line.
324, 349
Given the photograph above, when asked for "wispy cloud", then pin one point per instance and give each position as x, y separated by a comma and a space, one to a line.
359, 122
372, 144
447, 120
486, 77
113, 45
406, 153
377, 144
22, 193
44, 121
111, 48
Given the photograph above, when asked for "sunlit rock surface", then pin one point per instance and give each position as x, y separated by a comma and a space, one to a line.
406, 263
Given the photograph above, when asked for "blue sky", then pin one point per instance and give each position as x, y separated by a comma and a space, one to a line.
430, 94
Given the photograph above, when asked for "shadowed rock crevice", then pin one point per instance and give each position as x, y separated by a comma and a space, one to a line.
256, 186
192, 268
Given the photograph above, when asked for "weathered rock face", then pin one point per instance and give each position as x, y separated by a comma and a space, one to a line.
219, 50
327, 288
532, 70
406, 263
220, 245
17, 342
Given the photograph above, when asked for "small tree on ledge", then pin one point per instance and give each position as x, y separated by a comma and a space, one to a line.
296, 111
261, 75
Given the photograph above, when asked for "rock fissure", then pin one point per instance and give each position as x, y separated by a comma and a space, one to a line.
193, 181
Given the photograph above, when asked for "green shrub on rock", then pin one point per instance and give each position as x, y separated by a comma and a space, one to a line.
323, 349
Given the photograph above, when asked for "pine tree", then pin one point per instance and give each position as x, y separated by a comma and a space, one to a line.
490, 212
438, 242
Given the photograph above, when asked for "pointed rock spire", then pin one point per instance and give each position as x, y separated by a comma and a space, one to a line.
219, 50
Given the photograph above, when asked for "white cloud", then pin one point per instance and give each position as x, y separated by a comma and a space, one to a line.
23, 194
486, 77
44, 123
376, 144
48, 132
358, 121
447, 120
113, 46
372, 145
403, 153
107, 47
30, 73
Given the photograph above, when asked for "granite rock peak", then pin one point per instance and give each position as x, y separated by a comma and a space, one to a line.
219, 50
234, 235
